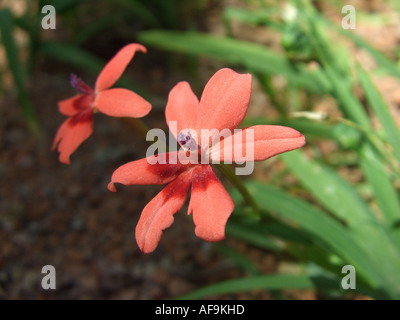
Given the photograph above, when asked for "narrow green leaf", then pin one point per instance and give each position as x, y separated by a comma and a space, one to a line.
382, 186
342, 200
317, 129
349, 104
335, 71
329, 188
93, 29
327, 232
73, 55
272, 282
380, 58
381, 109
168, 12
16, 67
285, 232
251, 55
252, 17
246, 233
316, 255
61, 6
137, 9
239, 259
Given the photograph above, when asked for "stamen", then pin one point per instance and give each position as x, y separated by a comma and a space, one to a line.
187, 141
78, 84
183, 139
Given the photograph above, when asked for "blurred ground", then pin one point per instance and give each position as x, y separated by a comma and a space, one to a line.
64, 216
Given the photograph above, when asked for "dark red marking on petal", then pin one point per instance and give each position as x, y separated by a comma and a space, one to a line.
84, 102
75, 104
168, 169
174, 187
148, 171
204, 179
85, 116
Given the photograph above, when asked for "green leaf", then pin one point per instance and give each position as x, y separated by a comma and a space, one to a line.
309, 128
139, 10
342, 200
73, 55
254, 237
94, 29
272, 282
239, 259
327, 233
252, 17
285, 232
349, 104
335, 71
380, 58
384, 191
381, 109
347, 136
16, 67
251, 55
330, 189
314, 254
61, 6
382, 186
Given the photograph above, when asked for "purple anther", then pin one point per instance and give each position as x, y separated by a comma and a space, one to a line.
79, 85
187, 141
184, 138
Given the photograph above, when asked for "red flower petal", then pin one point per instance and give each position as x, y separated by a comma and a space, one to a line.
143, 172
224, 102
268, 141
182, 107
72, 106
72, 133
158, 214
116, 66
122, 103
61, 133
210, 203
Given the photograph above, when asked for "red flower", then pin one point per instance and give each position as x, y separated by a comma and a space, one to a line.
113, 102
223, 105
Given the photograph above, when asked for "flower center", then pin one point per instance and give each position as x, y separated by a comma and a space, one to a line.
187, 140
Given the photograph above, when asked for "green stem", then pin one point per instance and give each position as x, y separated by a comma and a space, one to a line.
228, 172
138, 125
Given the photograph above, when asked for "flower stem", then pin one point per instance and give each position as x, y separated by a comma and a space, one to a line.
138, 125
228, 172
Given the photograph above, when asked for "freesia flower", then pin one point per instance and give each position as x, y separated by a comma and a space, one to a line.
223, 105
114, 102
